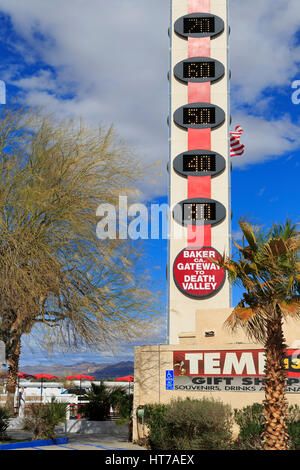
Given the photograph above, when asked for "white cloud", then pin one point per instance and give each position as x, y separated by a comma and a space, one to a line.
110, 62
264, 56
113, 60
265, 140
263, 46
44, 80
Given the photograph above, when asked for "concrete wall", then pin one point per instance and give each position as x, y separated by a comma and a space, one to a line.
76, 426
95, 427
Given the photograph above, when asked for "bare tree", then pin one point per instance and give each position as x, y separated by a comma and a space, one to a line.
54, 271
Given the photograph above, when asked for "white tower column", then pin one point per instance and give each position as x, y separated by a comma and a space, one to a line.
199, 191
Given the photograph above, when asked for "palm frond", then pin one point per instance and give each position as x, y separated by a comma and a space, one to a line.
290, 307
249, 234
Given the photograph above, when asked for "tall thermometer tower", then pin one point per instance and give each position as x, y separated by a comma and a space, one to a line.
199, 191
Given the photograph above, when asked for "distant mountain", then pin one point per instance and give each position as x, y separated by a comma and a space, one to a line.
100, 371
113, 371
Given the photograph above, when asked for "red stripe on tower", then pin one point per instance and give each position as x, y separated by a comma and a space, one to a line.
199, 138
199, 6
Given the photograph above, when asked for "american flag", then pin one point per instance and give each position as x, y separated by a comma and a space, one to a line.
236, 148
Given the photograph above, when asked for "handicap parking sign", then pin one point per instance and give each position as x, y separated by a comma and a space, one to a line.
169, 380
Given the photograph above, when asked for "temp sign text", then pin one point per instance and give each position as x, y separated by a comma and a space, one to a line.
238, 370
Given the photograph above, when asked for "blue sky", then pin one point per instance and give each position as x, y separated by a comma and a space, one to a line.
107, 62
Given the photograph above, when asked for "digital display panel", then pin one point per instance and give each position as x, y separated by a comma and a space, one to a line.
199, 69
199, 115
199, 212
199, 163
199, 25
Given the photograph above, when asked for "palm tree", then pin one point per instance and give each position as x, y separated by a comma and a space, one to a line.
268, 270
100, 398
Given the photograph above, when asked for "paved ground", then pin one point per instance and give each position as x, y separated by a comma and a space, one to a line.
82, 442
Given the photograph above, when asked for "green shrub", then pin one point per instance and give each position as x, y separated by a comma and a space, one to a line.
159, 432
125, 406
189, 425
99, 401
100, 398
294, 426
123, 401
294, 432
4, 422
42, 419
251, 421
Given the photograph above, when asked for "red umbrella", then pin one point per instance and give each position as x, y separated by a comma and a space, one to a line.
126, 378
45, 376
21, 375
80, 377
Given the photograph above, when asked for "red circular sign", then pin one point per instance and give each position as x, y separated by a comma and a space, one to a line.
196, 275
